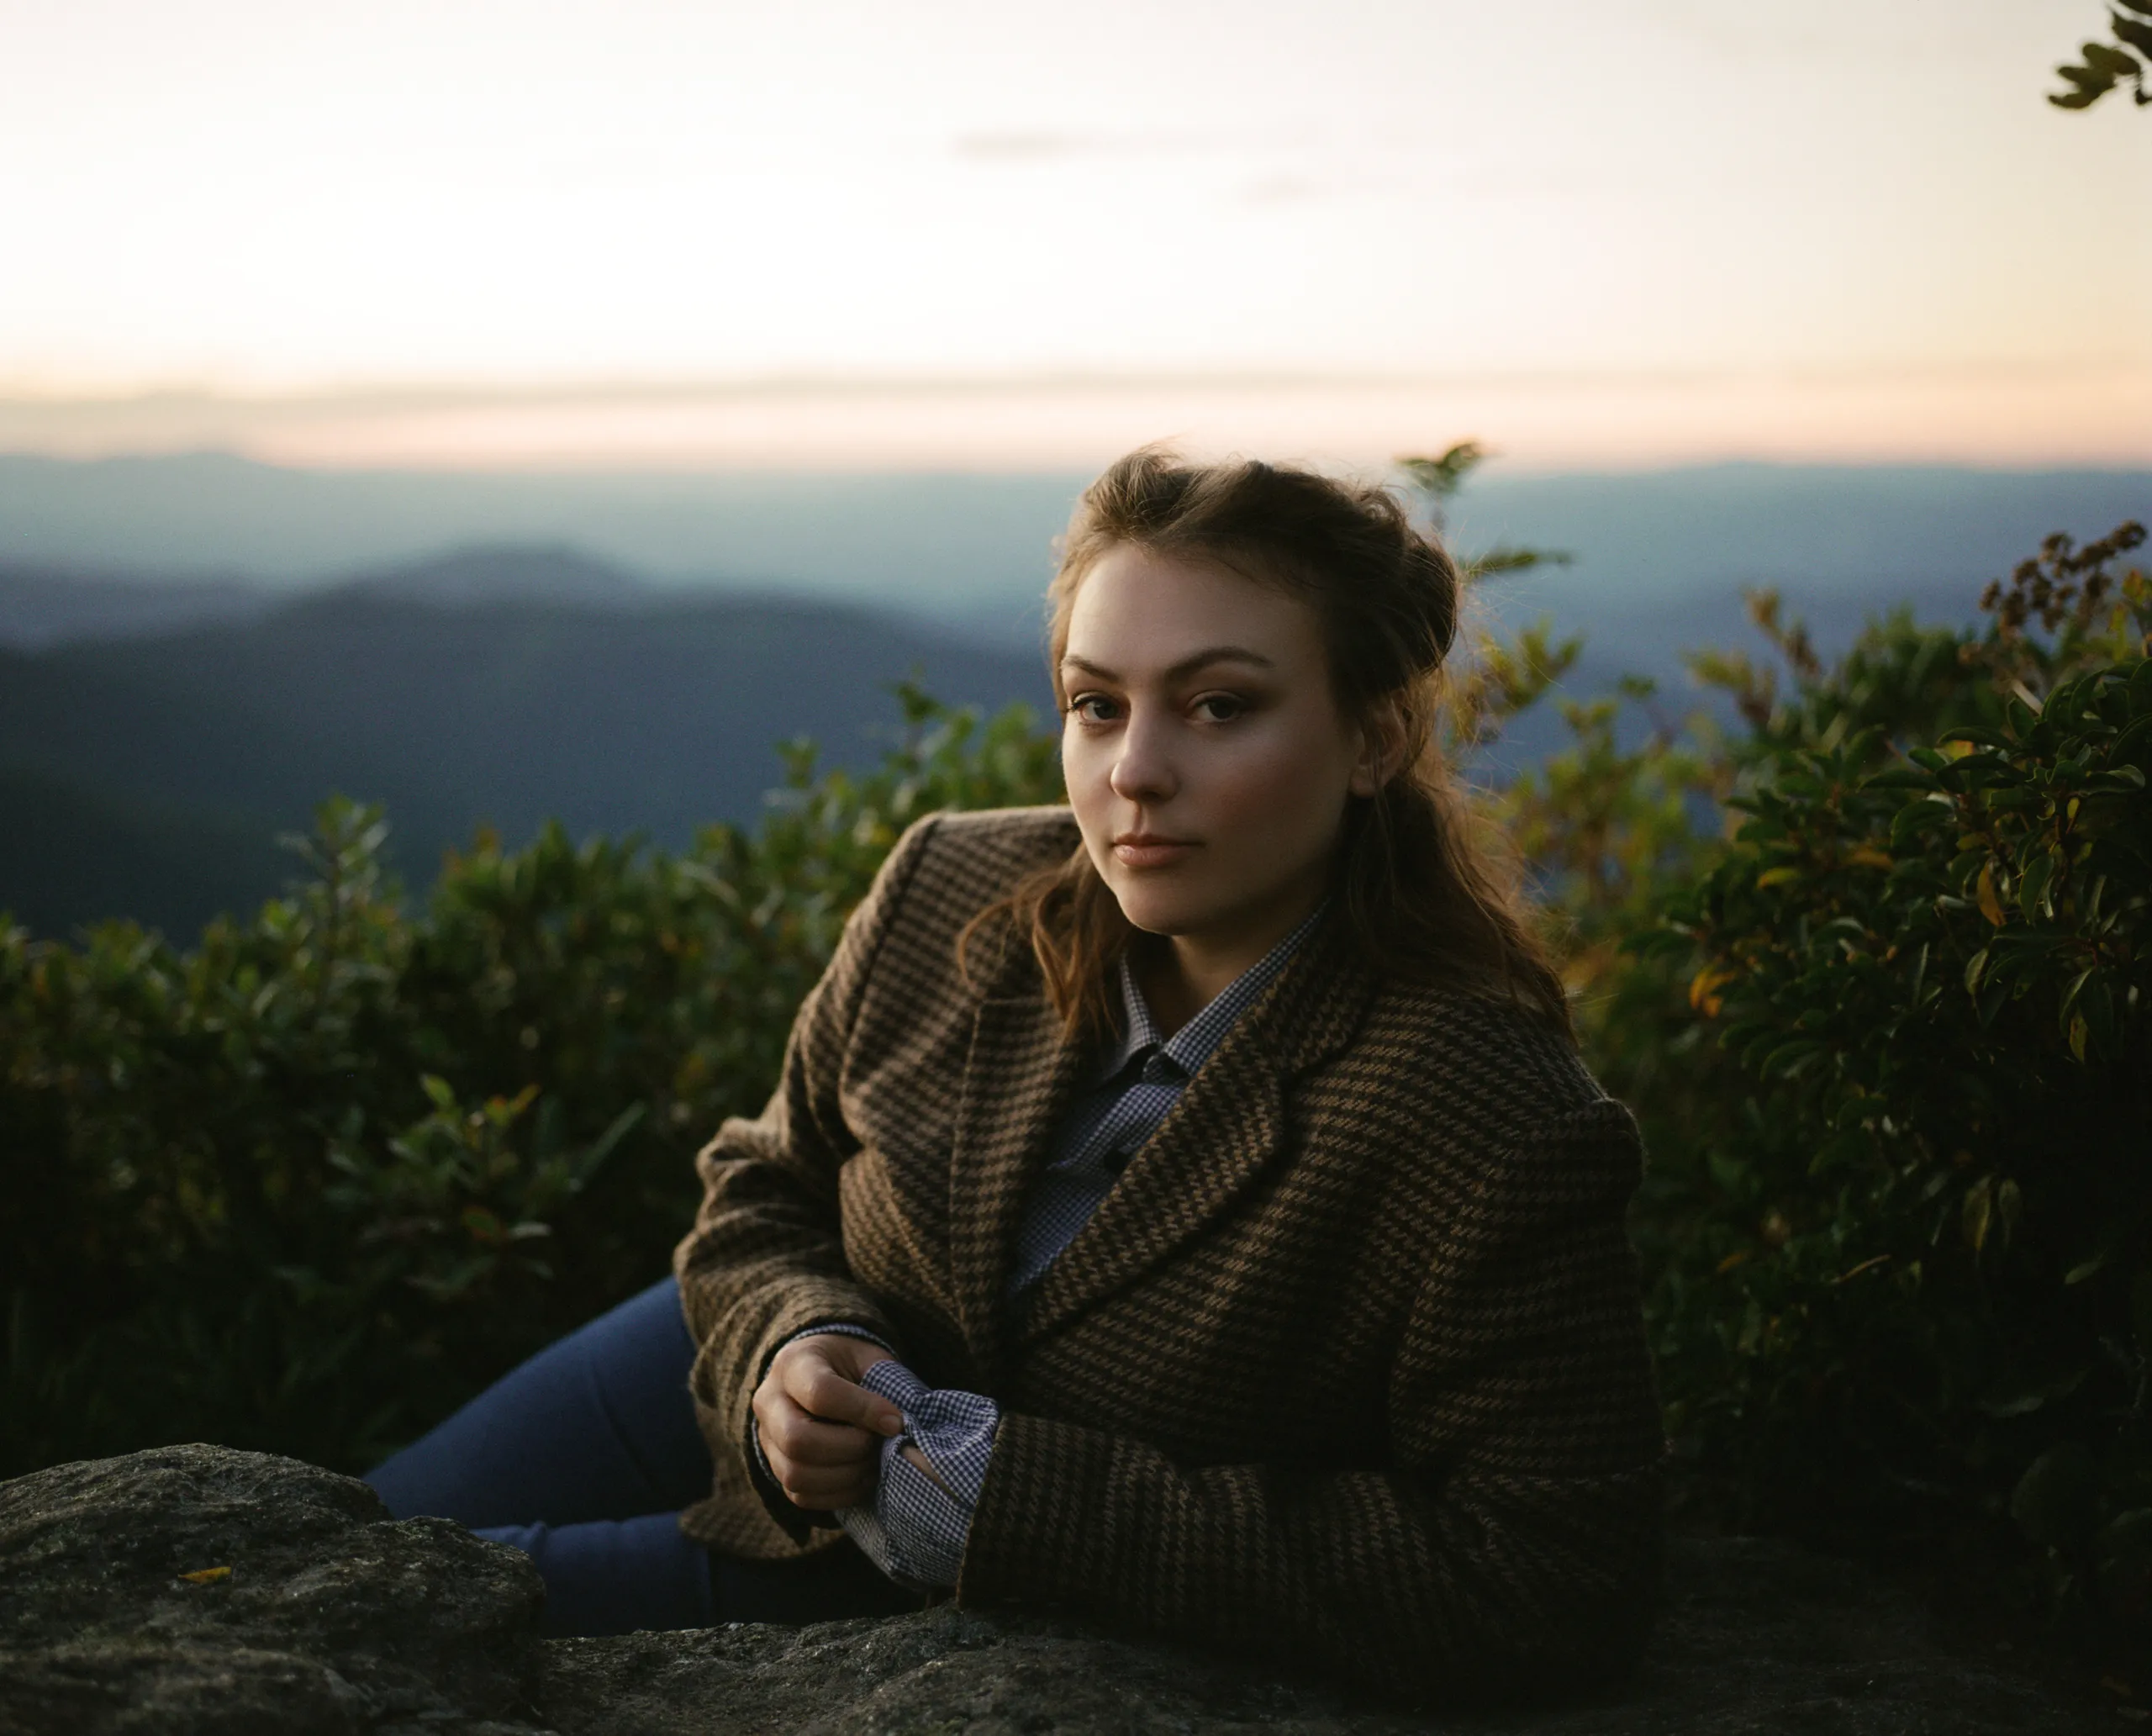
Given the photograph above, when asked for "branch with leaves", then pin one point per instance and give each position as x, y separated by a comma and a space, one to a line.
2107, 65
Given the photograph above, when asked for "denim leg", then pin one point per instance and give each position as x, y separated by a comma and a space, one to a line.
582, 1457
596, 1427
616, 1575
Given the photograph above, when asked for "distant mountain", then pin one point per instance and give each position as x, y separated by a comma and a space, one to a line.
42, 604
1872, 534
656, 719
506, 572
973, 550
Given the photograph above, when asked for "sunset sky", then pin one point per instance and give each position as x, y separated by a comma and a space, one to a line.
944, 234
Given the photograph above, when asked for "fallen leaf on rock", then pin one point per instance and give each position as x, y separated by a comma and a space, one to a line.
206, 1576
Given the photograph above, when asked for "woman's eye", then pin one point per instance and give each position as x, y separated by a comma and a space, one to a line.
1220, 708
1092, 708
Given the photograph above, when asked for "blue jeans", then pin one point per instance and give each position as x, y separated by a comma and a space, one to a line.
582, 1457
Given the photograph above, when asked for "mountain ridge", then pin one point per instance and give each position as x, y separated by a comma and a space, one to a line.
655, 720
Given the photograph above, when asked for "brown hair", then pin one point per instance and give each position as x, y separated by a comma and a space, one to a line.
1422, 898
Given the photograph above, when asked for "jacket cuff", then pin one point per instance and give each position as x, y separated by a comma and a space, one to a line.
1039, 1467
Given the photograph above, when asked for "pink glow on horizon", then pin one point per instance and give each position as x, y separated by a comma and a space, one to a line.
2031, 417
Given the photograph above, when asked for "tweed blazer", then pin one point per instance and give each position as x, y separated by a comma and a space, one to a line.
1349, 1366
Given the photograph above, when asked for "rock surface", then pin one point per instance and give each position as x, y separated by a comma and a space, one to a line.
190, 1588
333, 1617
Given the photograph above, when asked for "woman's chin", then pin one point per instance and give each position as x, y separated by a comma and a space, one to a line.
1156, 910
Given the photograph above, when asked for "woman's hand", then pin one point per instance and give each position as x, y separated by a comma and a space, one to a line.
821, 1430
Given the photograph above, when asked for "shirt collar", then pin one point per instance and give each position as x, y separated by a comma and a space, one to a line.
1193, 1044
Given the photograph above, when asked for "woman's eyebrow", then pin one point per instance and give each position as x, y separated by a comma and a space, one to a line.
1186, 666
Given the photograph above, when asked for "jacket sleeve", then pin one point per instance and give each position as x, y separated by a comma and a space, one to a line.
1505, 1536
765, 1260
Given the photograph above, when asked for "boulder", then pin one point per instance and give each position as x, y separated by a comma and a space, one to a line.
193, 1588
197, 1589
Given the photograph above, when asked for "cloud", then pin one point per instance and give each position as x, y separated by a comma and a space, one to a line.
1023, 147
1835, 33
1015, 147
1288, 189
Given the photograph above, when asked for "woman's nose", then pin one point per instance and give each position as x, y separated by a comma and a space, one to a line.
1142, 772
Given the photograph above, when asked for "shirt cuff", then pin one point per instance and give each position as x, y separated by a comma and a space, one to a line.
916, 1526
838, 1328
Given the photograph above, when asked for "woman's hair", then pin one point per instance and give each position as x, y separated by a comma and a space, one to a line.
1421, 897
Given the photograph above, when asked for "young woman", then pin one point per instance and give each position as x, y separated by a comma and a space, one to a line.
1186, 1209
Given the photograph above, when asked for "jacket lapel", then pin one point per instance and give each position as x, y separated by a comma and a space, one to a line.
1020, 1076
1227, 1128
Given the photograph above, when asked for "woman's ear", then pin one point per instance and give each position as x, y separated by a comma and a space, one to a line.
1382, 748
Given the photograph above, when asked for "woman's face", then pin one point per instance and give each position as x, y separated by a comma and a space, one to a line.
1207, 763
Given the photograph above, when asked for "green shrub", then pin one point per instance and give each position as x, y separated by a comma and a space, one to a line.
1901, 1271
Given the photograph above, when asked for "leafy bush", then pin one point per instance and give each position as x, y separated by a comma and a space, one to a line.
1901, 1271
309, 1186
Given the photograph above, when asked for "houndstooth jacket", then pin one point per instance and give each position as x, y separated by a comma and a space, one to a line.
1349, 1365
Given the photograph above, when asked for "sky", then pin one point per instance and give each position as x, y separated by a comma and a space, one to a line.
948, 234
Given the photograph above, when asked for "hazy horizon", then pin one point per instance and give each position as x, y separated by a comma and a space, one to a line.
974, 551
2004, 416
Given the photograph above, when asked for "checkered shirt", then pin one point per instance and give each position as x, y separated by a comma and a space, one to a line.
1139, 1081
915, 1529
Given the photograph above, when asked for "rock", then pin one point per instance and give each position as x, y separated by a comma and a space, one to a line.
1758, 1638
944, 1671
309, 1609
334, 1617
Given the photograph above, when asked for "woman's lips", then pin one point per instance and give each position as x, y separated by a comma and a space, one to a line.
1148, 850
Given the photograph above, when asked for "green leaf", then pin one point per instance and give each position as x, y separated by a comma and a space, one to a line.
2091, 86
2057, 1501
2137, 35
1787, 1056
2033, 885
2097, 1003
2003, 1401
1440, 478
1989, 1001
2111, 63
1990, 901
2009, 1207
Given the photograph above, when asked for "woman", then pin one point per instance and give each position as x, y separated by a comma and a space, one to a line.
1187, 1209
